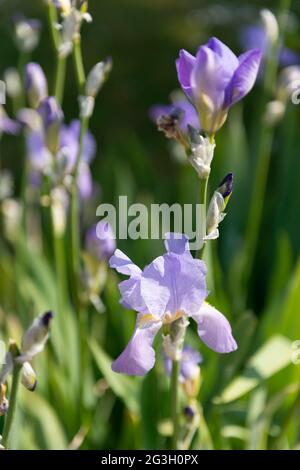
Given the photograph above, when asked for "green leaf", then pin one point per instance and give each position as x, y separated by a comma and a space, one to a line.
267, 361
50, 431
124, 387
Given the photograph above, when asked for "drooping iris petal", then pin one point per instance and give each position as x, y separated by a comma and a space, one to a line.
139, 356
185, 64
123, 264
244, 77
214, 329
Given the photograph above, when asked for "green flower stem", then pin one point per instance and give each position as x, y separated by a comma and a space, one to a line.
264, 155
174, 402
203, 202
12, 405
52, 21
78, 63
60, 78
61, 62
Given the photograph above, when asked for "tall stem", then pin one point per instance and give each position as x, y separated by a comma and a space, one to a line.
174, 402
78, 62
60, 78
61, 62
264, 155
12, 406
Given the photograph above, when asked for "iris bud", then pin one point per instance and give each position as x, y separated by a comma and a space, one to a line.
28, 377
35, 337
97, 77
52, 116
35, 84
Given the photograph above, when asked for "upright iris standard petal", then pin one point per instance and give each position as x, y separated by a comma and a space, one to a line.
214, 329
139, 356
185, 64
244, 77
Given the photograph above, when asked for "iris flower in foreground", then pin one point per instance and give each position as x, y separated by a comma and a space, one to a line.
216, 79
173, 286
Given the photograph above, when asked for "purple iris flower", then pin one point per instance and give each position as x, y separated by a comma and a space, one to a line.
186, 111
255, 36
190, 359
100, 240
35, 84
216, 79
171, 287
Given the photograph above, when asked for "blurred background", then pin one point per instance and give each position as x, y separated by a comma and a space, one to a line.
143, 37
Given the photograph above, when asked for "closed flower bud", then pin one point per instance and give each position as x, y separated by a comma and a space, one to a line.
274, 112
52, 116
27, 33
59, 205
28, 377
35, 337
97, 77
202, 153
217, 205
35, 84
86, 105
12, 82
270, 25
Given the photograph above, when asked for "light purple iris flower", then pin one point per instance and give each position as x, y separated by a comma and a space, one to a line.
216, 79
255, 36
190, 359
35, 84
187, 112
100, 240
171, 287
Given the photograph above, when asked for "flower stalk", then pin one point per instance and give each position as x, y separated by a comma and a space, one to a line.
13, 397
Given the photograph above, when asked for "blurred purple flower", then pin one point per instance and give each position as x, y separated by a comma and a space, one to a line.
173, 286
100, 240
188, 365
7, 125
255, 36
216, 79
50, 112
186, 111
35, 84
69, 143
